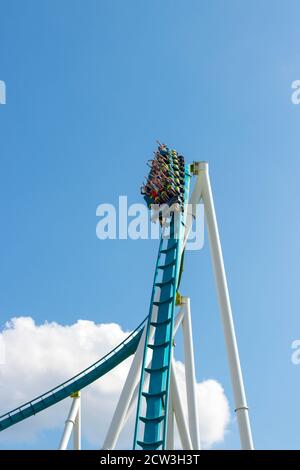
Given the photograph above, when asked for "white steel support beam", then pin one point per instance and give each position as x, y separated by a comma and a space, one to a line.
77, 426
70, 421
190, 375
192, 205
170, 428
178, 410
241, 407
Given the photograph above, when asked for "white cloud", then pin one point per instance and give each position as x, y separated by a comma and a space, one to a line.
213, 408
38, 357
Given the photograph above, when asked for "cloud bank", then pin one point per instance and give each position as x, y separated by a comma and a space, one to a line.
35, 358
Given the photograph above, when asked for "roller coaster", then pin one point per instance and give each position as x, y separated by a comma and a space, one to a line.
151, 389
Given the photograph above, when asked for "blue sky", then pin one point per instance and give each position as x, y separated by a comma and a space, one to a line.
90, 86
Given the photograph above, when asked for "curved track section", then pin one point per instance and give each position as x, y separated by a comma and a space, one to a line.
76, 383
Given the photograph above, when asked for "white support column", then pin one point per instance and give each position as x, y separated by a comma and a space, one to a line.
190, 375
226, 314
77, 425
192, 205
179, 413
170, 413
170, 431
69, 423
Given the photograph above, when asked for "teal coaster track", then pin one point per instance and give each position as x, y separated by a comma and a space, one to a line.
152, 415
152, 407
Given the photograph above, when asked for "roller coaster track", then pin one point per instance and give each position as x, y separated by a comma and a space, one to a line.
104, 365
152, 409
